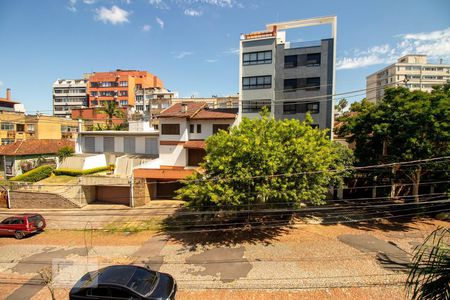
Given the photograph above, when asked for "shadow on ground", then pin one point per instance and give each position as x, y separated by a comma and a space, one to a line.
193, 230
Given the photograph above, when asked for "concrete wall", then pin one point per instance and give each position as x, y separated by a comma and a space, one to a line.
94, 161
173, 155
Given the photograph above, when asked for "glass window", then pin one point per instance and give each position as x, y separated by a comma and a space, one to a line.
191, 128
217, 127
20, 127
290, 61
199, 128
30, 128
255, 106
257, 58
313, 59
170, 129
142, 281
7, 126
256, 82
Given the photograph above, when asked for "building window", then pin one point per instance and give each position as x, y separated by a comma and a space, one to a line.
94, 93
123, 102
123, 83
7, 126
94, 102
129, 144
30, 128
313, 59
255, 106
123, 93
89, 144
7, 141
191, 128
217, 127
199, 128
20, 127
170, 129
257, 82
151, 146
290, 108
139, 86
257, 58
311, 83
290, 61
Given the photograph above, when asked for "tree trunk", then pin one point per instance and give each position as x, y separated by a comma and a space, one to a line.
416, 183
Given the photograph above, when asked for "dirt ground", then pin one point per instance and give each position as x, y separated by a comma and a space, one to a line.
300, 262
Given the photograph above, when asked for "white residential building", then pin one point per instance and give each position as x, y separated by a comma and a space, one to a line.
411, 71
67, 95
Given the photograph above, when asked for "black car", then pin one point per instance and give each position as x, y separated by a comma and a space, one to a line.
125, 282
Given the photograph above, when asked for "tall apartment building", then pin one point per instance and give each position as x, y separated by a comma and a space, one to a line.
68, 94
119, 86
411, 71
289, 78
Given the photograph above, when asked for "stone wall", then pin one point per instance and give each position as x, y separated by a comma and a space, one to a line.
19, 199
141, 193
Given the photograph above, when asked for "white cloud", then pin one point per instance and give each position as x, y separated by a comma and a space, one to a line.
192, 12
234, 51
159, 4
182, 54
72, 5
115, 15
211, 60
434, 44
160, 23
1, 83
146, 27
221, 3
89, 1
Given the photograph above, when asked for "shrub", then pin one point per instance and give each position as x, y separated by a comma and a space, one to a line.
34, 175
72, 172
65, 152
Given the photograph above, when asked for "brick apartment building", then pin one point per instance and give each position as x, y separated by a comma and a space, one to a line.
119, 85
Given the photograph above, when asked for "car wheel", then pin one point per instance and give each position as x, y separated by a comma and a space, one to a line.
19, 234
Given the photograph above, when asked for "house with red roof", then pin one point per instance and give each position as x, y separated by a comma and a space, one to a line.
21, 156
184, 128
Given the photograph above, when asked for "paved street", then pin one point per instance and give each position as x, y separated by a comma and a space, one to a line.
99, 216
365, 261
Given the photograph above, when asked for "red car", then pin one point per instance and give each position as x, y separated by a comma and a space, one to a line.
22, 225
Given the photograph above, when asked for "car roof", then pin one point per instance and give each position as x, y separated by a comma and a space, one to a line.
119, 275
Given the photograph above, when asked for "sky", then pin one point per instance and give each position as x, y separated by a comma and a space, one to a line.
192, 45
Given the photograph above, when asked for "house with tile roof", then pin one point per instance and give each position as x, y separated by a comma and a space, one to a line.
184, 128
22, 156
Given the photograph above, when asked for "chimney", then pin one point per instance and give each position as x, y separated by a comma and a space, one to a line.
8, 94
183, 107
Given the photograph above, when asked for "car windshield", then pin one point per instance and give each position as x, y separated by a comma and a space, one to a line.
142, 281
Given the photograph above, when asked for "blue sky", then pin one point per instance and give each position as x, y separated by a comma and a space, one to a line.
191, 44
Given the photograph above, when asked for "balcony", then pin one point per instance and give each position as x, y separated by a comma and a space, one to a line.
306, 44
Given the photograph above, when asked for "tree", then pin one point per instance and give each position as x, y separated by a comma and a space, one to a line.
64, 152
342, 104
406, 125
111, 110
46, 275
265, 163
429, 274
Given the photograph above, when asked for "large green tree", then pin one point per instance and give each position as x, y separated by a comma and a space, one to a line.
404, 126
266, 163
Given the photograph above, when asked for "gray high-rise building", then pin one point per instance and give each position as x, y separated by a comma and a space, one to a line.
289, 78
67, 95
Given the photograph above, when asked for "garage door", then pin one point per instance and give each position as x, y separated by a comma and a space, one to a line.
166, 190
113, 194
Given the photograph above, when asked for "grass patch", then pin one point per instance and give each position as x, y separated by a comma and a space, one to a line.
151, 224
58, 179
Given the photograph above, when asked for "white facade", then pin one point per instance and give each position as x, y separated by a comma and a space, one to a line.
69, 94
410, 71
172, 151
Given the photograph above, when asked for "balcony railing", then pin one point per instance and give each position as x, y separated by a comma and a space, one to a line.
306, 44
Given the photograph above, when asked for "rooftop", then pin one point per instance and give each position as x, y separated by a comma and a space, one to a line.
32, 147
194, 110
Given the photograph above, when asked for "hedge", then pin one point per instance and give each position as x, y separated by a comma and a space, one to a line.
73, 172
34, 175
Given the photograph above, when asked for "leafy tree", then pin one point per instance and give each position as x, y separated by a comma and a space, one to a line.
429, 274
265, 163
404, 126
64, 152
111, 109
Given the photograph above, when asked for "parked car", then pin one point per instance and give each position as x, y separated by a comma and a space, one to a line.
21, 225
125, 282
